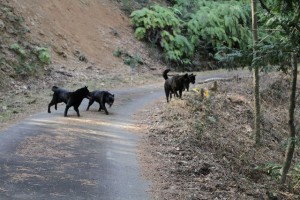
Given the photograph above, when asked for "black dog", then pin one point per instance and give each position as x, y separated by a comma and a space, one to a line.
174, 84
101, 97
191, 79
69, 98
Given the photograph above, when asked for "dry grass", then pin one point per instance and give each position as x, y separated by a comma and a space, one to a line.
204, 148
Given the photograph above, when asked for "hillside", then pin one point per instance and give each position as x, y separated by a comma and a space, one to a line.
94, 28
82, 37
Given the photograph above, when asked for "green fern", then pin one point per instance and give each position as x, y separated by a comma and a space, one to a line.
221, 23
140, 33
179, 29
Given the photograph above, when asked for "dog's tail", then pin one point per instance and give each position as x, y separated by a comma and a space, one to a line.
165, 74
54, 88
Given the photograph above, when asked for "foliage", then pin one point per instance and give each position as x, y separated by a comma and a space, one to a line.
284, 16
28, 62
233, 58
162, 26
43, 55
295, 173
221, 23
132, 61
16, 48
118, 53
130, 5
26, 58
271, 169
156, 17
281, 34
189, 25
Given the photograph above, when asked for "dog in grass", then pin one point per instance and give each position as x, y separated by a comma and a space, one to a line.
69, 98
174, 84
102, 97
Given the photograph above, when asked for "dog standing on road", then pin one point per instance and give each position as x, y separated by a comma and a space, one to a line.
174, 84
69, 98
102, 97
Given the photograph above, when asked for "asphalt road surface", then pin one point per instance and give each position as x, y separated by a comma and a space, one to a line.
48, 156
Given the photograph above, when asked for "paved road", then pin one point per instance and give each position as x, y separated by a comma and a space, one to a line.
48, 156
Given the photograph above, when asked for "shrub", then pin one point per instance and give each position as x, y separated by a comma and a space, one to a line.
44, 55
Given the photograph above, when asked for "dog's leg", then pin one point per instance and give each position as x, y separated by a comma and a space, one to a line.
77, 111
167, 92
90, 103
180, 94
66, 110
104, 108
50, 104
49, 111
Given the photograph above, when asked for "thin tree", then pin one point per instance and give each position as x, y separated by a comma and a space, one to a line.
292, 138
288, 19
257, 115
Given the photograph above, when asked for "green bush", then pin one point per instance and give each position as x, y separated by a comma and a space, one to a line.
29, 62
132, 61
162, 26
44, 55
16, 48
190, 26
221, 24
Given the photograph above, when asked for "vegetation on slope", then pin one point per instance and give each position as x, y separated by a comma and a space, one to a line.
20, 55
190, 28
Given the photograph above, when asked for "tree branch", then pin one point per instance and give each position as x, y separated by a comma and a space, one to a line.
263, 5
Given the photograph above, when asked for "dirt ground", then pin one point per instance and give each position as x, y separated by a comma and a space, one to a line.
202, 147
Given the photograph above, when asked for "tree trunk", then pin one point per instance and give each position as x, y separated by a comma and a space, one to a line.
257, 116
291, 142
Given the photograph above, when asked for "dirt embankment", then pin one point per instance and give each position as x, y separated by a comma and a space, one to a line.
202, 147
83, 37
94, 28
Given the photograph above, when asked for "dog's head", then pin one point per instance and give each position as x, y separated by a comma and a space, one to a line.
192, 78
110, 98
84, 92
